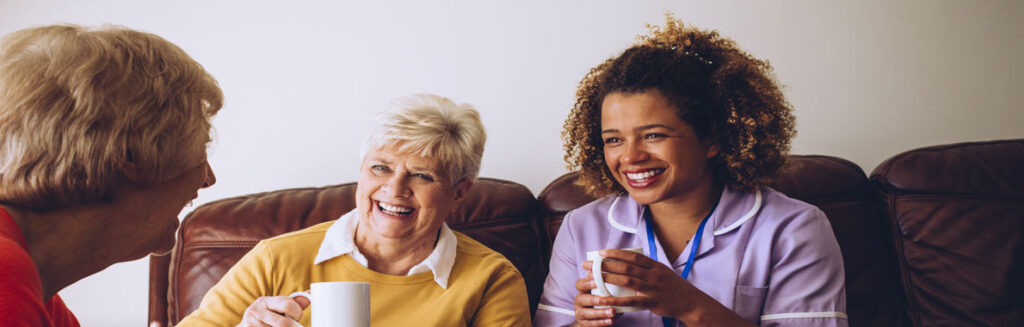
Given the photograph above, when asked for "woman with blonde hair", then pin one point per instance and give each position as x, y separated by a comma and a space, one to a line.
103, 136
418, 165
678, 137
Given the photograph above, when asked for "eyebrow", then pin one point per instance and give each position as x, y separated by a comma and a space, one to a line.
641, 128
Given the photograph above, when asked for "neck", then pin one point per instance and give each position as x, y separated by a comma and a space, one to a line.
394, 256
675, 221
67, 244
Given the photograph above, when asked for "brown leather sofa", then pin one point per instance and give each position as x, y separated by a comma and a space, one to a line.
934, 238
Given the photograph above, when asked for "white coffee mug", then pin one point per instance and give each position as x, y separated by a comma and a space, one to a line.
605, 289
338, 304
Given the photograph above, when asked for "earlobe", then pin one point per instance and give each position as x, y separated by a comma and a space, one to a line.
462, 189
712, 151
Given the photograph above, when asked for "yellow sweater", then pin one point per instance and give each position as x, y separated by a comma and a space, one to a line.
484, 288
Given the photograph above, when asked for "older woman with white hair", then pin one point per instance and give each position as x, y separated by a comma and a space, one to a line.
418, 164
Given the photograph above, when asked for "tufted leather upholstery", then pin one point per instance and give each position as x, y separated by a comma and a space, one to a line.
500, 214
934, 238
958, 212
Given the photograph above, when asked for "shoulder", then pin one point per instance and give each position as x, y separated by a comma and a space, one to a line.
16, 267
313, 233
595, 214
19, 282
785, 212
474, 253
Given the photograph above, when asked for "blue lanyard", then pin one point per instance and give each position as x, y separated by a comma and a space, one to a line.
667, 322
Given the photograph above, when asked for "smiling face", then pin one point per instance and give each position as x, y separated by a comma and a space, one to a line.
404, 197
650, 151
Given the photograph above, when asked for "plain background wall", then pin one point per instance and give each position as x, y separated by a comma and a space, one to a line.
868, 79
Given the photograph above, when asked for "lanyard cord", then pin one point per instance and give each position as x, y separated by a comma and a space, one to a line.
666, 321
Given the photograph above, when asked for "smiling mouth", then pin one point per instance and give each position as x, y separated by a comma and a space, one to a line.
643, 177
394, 210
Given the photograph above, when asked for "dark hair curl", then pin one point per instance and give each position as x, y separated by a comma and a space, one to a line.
730, 98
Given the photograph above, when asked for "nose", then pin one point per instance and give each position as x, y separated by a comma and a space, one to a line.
210, 177
634, 152
396, 185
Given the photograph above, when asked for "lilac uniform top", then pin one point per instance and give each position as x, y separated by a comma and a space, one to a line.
771, 259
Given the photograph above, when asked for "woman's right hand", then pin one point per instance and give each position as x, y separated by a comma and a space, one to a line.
586, 314
275, 311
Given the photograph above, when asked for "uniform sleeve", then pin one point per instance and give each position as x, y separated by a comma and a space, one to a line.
808, 284
250, 278
557, 301
505, 302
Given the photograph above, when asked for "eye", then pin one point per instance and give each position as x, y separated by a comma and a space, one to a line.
379, 169
612, 140
651, 136
424, 177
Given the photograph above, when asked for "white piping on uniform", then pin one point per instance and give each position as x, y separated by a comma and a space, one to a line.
556, 309
617, 225
777, 316
750, 214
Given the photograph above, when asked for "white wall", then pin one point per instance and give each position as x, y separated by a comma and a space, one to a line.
868, 79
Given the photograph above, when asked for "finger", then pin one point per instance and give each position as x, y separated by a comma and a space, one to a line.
584, 285
302, 301
623, 268
638, 259
589, 300
590, 314
627, 281
641, 301
284, 305
597, 323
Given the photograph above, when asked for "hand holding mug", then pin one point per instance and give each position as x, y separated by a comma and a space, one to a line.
658, 288
276, 311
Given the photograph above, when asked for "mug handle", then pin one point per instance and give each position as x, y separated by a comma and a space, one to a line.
598, 278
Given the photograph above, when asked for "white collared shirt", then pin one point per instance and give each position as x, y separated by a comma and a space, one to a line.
340, 240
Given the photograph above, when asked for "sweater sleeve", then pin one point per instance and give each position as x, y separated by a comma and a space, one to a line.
250, 278
505, 302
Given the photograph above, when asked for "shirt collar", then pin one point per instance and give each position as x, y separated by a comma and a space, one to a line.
340, 240
733, 210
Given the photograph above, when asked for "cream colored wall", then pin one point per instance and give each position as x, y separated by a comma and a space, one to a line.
868, 79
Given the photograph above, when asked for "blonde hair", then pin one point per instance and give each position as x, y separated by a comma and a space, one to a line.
79, 105
436, 127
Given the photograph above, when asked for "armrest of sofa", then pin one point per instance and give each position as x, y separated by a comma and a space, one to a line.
957, 213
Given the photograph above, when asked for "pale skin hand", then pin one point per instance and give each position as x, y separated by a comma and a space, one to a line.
659, 289
276, 311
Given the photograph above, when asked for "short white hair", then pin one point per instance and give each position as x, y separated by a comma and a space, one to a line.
435, 127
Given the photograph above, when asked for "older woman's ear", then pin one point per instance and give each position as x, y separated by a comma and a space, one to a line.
461, 190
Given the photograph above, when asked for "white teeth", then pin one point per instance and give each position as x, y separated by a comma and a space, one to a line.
642, 177
394, 210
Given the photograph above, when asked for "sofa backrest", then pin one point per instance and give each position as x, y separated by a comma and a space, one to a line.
958, 212
842, 191
500, 214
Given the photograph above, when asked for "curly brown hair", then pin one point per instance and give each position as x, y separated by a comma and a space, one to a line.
730, 98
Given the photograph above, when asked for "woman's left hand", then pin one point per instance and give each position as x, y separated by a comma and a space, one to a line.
659, 289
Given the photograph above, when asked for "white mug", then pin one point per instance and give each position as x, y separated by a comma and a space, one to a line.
338, 304
605, 289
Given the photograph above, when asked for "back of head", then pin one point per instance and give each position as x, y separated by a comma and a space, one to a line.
436, 127
79, 107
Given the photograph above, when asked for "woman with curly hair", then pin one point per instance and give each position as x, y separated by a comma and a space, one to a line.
678, 137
